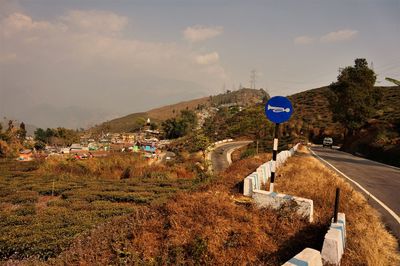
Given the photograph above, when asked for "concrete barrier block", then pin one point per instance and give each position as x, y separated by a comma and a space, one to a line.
248, 186
332, 248
308, 257
335, 241
304, 207
266, 171
256, 179
259, 172
263, 173
341, 223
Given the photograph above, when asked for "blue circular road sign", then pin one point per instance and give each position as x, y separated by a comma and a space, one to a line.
278, 109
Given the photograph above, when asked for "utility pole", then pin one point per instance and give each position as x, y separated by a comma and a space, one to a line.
253, 74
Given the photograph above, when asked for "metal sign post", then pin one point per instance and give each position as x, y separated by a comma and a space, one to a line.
274, 154
278, 110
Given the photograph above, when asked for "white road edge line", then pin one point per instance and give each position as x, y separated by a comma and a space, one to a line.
395, 216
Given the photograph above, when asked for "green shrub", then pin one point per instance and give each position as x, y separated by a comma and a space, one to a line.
121, 197
26, 210
247, 153
87, 197
22, 197
156, 175
198, 250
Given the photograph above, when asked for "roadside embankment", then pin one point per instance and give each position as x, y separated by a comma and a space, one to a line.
216, 225
368, 242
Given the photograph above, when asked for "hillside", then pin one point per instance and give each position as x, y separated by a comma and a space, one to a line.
132, 122
312, 105
312, 112
312, 121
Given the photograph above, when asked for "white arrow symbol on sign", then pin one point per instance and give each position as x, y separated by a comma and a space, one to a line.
276, 109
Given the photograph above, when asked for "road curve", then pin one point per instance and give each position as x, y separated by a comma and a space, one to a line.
221, 156
380, 183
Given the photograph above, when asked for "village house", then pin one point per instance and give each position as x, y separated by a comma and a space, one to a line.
25, 155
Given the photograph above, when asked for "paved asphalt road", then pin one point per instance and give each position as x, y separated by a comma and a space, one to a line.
380, 180
220, 156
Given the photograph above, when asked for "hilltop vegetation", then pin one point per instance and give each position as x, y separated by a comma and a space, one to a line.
243, 97
377, 139
312, 120
133, 122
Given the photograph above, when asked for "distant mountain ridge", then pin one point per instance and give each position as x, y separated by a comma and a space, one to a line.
30, 129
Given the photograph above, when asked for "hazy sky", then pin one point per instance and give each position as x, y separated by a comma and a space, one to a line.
77, 62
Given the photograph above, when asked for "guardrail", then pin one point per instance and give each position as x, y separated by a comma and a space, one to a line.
263, 172
335, 238
332, 249
222, 141
253, 183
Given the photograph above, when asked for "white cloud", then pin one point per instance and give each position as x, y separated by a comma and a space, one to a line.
303, 40
96, 39
207, 59
95, 21
331, 37
339, 36
200, 33
18, 23
88, 56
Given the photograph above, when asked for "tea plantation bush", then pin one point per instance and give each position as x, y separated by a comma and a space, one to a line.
44, 207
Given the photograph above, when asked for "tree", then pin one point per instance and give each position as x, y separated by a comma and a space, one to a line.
200, 143
21, 132
40, 135
57, 136
189, 118
153, 126
354, 97
10, 126
40, 145
181, 126
174, 128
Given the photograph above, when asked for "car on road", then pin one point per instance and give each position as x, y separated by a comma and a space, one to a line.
327, 142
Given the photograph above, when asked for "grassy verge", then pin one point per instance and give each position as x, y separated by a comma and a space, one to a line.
368, 241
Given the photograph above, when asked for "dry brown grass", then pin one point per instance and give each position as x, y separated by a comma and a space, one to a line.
368, 243
202, 227
169, 111
209, 227
113, 166
193, 229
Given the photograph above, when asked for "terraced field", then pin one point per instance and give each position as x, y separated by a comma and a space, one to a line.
44, 206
